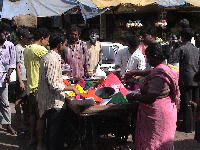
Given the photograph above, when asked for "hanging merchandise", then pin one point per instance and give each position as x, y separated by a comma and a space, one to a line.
134, 24
162, 24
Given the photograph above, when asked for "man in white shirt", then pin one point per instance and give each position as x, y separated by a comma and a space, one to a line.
93, 53
137, 60
122, 55
130, 57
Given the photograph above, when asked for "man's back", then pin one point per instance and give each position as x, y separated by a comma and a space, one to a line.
189, 63
122, 58
137, 61
50, 83
32, 56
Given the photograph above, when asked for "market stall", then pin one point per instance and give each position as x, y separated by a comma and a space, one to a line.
102, 109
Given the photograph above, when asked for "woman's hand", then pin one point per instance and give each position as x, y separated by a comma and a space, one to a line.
132, 97
129, 75
75, 90
72, 88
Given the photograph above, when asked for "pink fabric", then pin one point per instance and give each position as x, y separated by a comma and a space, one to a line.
82, 82
156, 123
75, 57
113, 81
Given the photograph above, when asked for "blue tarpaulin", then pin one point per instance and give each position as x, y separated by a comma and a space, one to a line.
41, 8
89, 9
168, 3
46, 8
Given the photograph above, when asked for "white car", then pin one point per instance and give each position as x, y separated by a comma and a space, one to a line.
109, 51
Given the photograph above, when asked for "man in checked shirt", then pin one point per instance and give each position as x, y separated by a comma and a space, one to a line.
7, 65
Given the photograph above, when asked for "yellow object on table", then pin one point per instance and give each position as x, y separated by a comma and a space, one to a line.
79, 88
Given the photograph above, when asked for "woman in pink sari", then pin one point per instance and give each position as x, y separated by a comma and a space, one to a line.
159, 97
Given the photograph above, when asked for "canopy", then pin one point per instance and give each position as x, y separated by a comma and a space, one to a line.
35, 7
88, 8
166, 3
108, 3
194, 2
44, 8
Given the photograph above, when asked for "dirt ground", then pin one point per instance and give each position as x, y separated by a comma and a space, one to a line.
183, 141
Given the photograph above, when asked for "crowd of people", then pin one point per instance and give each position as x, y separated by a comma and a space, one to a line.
168, 94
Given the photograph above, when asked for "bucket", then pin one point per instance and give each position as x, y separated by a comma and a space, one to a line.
105, 92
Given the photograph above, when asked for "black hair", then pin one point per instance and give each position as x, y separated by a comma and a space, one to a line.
55, 39
148, 30
40, 33
132, 41
184, 23
75, 29
187, 34
20, 30
2, 38
157, 51
5, 27
93, 31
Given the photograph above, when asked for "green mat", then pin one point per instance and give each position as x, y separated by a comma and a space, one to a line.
118, 99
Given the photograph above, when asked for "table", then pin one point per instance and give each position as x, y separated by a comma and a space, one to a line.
105, 119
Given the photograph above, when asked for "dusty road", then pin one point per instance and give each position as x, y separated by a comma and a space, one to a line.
183, 141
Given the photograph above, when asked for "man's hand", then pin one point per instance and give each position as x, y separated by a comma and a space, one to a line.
89, 74
7, 78
22, 85
76, 91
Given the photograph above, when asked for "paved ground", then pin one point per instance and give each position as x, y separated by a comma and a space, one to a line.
183, 141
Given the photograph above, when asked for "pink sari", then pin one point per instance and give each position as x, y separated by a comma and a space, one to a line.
156, 123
